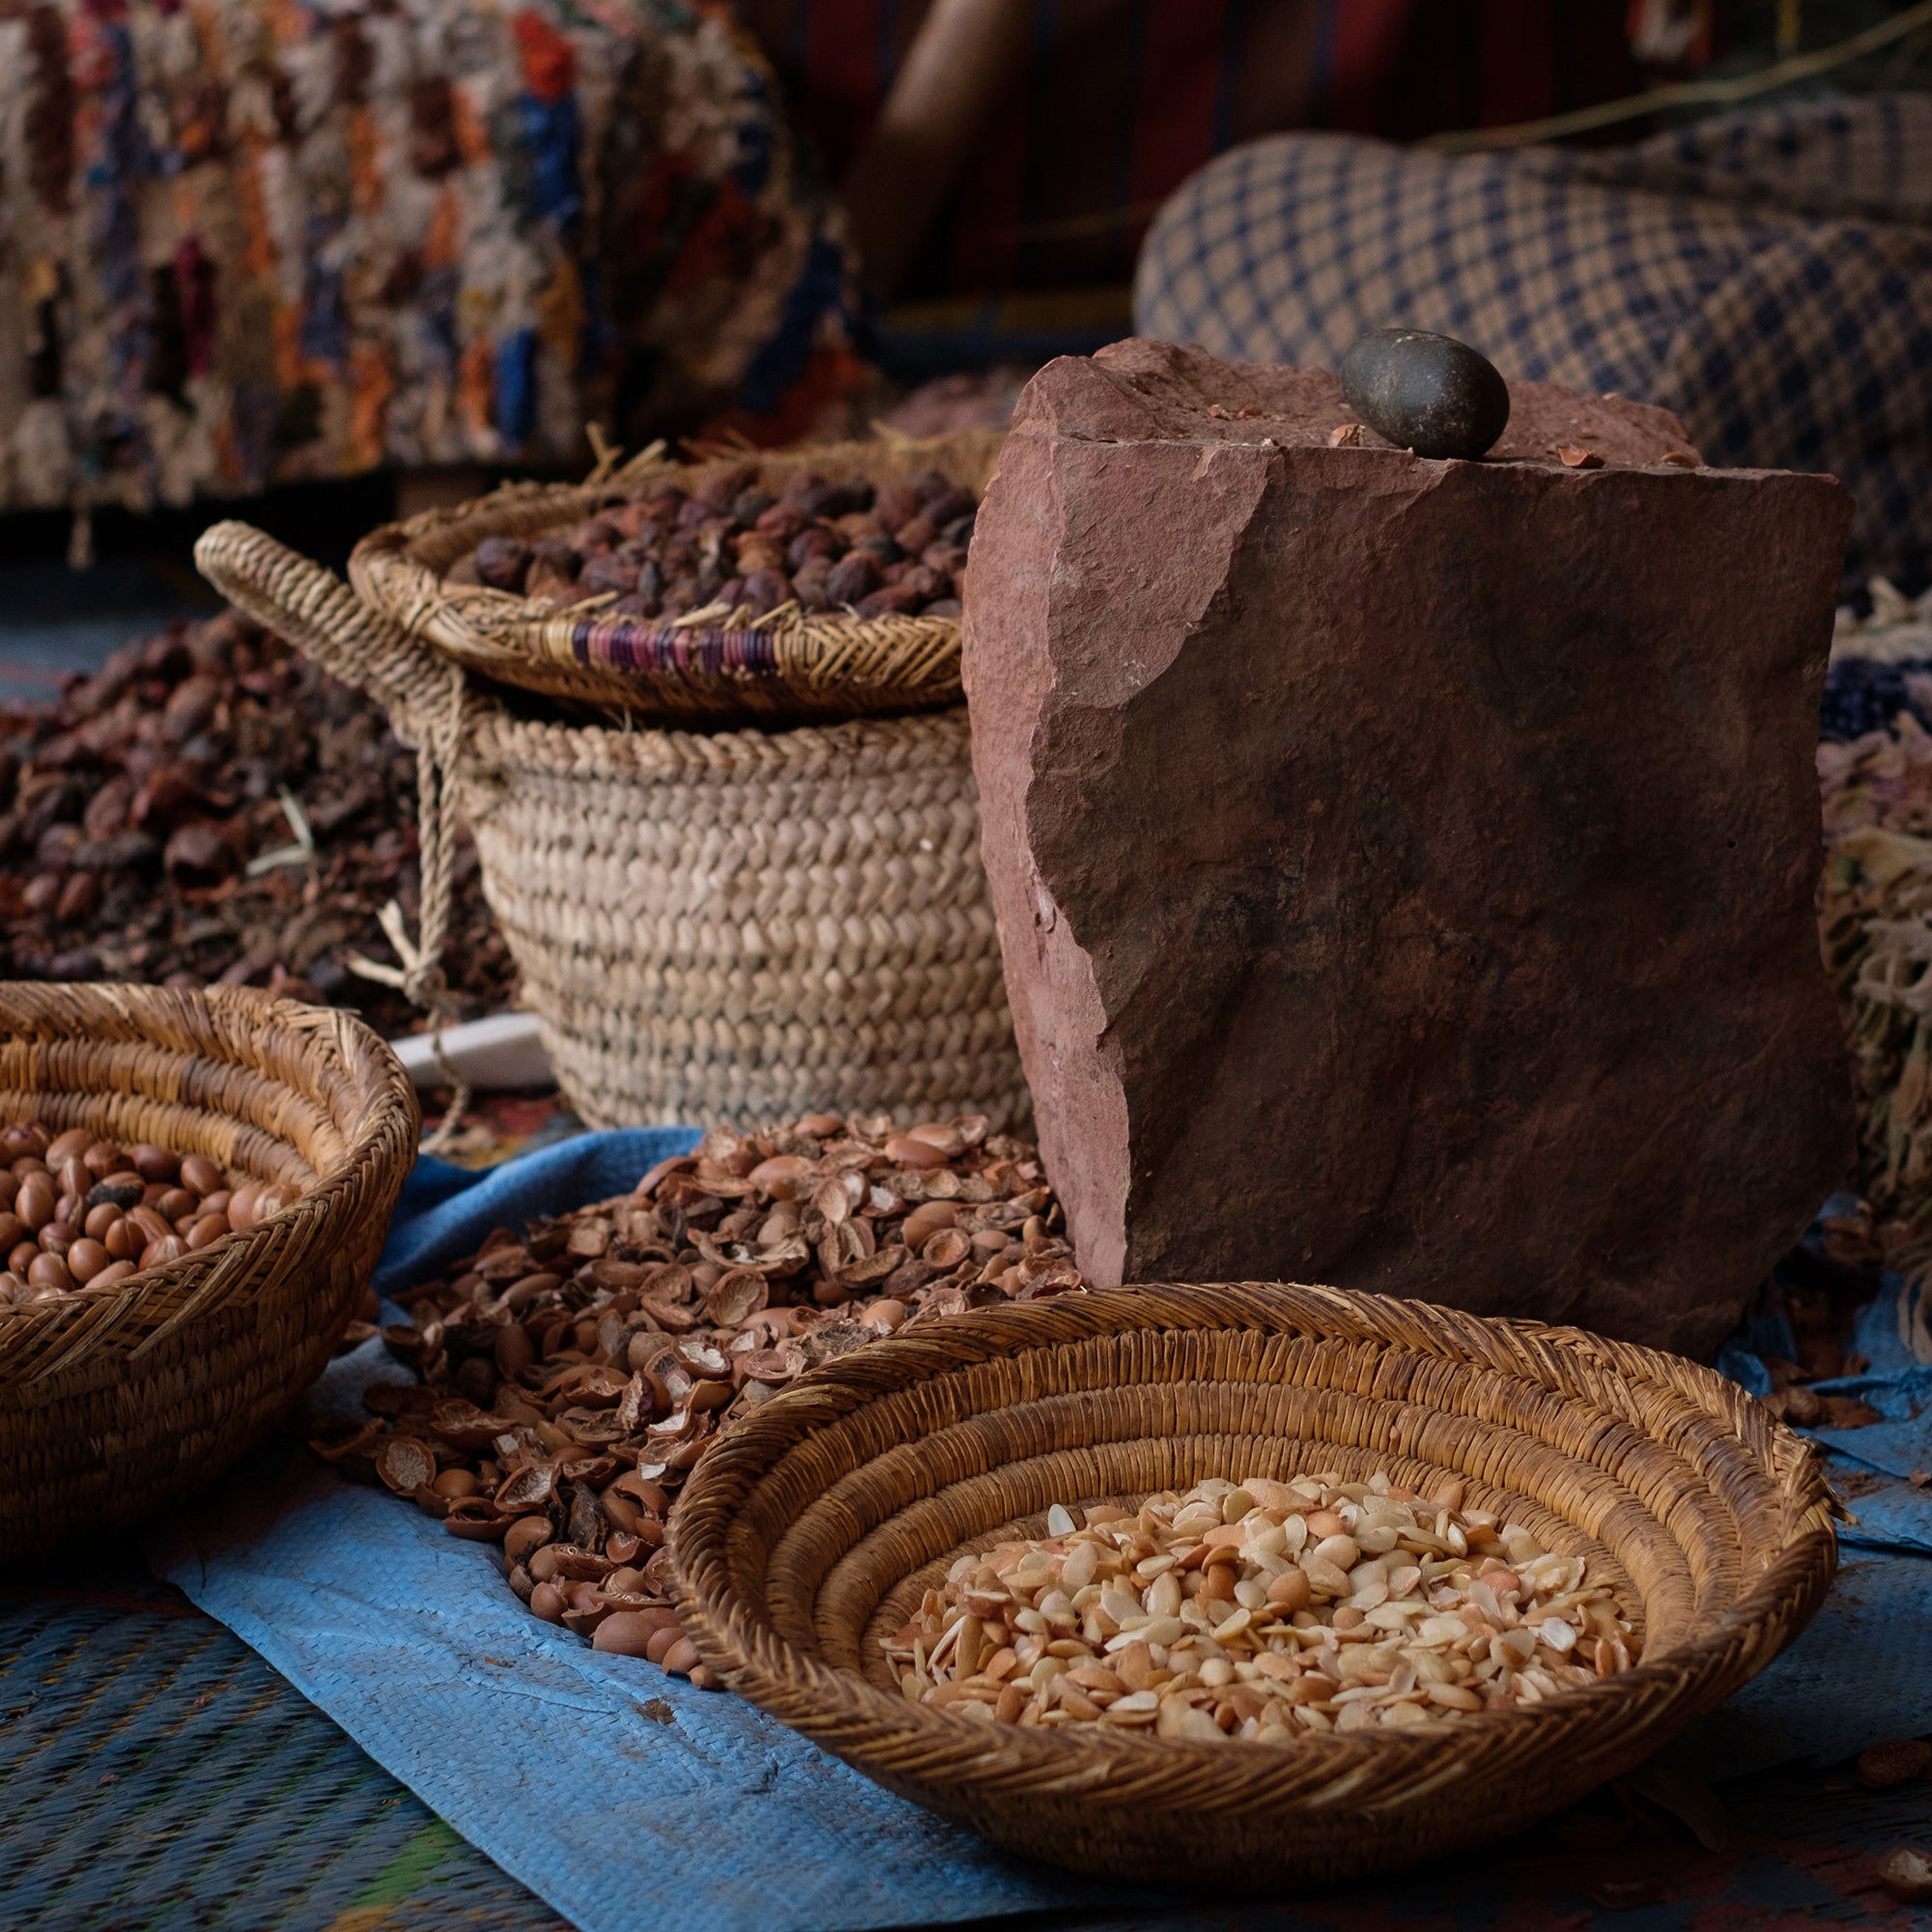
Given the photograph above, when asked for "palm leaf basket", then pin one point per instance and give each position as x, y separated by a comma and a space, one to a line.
727, 925
708, 666
812, 1530
115, 1404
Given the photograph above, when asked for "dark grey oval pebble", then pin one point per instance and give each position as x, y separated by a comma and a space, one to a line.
1428, 393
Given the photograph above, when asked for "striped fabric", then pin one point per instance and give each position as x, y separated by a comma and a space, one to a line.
623, 644
1768, 276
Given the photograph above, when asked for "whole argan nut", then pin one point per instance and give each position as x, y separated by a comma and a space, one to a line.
1428, 393
682, 1658
199, 1175
49, 1272
208, 1229
629, 1632
35, 1203
85, 1259
155, 1163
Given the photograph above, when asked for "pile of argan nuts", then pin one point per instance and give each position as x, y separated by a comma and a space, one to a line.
734, 548
83, 1214
571, 1379
1263, 1610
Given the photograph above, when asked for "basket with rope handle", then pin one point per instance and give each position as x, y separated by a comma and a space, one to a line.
812, 1529
115, 1403
709, 665
738, 925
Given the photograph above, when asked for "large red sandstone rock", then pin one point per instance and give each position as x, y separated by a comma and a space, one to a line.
1404, 868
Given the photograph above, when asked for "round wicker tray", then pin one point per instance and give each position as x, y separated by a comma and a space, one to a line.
789, 665
812, 1530
114, 1405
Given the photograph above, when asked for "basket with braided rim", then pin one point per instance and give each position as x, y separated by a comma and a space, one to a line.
736, 927
707, 666
114, 1405
810, 1530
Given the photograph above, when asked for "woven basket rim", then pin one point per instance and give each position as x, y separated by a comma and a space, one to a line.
955, 1748
104, 1323
674, 753
904, 660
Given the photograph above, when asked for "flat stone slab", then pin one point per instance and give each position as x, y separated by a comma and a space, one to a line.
1405, 867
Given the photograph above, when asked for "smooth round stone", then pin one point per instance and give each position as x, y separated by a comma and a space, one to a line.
1428, 393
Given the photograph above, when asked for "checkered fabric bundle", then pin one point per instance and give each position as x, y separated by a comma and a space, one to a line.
1767, 276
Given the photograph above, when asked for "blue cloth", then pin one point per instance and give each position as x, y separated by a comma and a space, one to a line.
601, 1784
538, 1749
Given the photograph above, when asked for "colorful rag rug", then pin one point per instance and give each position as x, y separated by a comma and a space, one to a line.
247, 242
1768, 276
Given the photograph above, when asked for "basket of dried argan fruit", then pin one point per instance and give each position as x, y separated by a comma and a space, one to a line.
814, 582
1249, 1586
196, 1187
717, 924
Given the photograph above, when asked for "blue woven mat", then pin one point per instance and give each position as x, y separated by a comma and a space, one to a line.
160, 1777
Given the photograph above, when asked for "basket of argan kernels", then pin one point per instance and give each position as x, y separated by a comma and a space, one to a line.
1248, 1585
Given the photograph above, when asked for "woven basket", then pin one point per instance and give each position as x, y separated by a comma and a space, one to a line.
704, 667
115, 1404
812, 1529
740, 926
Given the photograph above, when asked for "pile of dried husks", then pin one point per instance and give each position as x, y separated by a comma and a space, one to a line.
212, 808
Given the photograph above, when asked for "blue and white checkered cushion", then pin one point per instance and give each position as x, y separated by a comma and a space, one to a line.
1767, 276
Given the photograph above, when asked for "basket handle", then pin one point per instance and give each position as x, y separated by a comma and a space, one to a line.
426, 698
324, 619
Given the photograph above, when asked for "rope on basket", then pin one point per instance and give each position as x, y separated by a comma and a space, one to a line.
428, 701
439, 718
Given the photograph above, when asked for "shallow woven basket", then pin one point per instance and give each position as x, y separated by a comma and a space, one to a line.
704, 668
739, 927
114, 1405
812, 1529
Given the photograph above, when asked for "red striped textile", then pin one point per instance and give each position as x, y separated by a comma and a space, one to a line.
1122, 99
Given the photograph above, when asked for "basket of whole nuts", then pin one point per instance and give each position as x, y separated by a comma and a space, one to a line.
737, 925
817, 582
197, 1187
1248, 1585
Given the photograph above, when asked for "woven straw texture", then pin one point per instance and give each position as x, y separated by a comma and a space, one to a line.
114, 1405
707, 666
812, 1530
733, 927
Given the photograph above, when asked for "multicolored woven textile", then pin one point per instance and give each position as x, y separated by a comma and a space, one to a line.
248, 241
1767, 276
